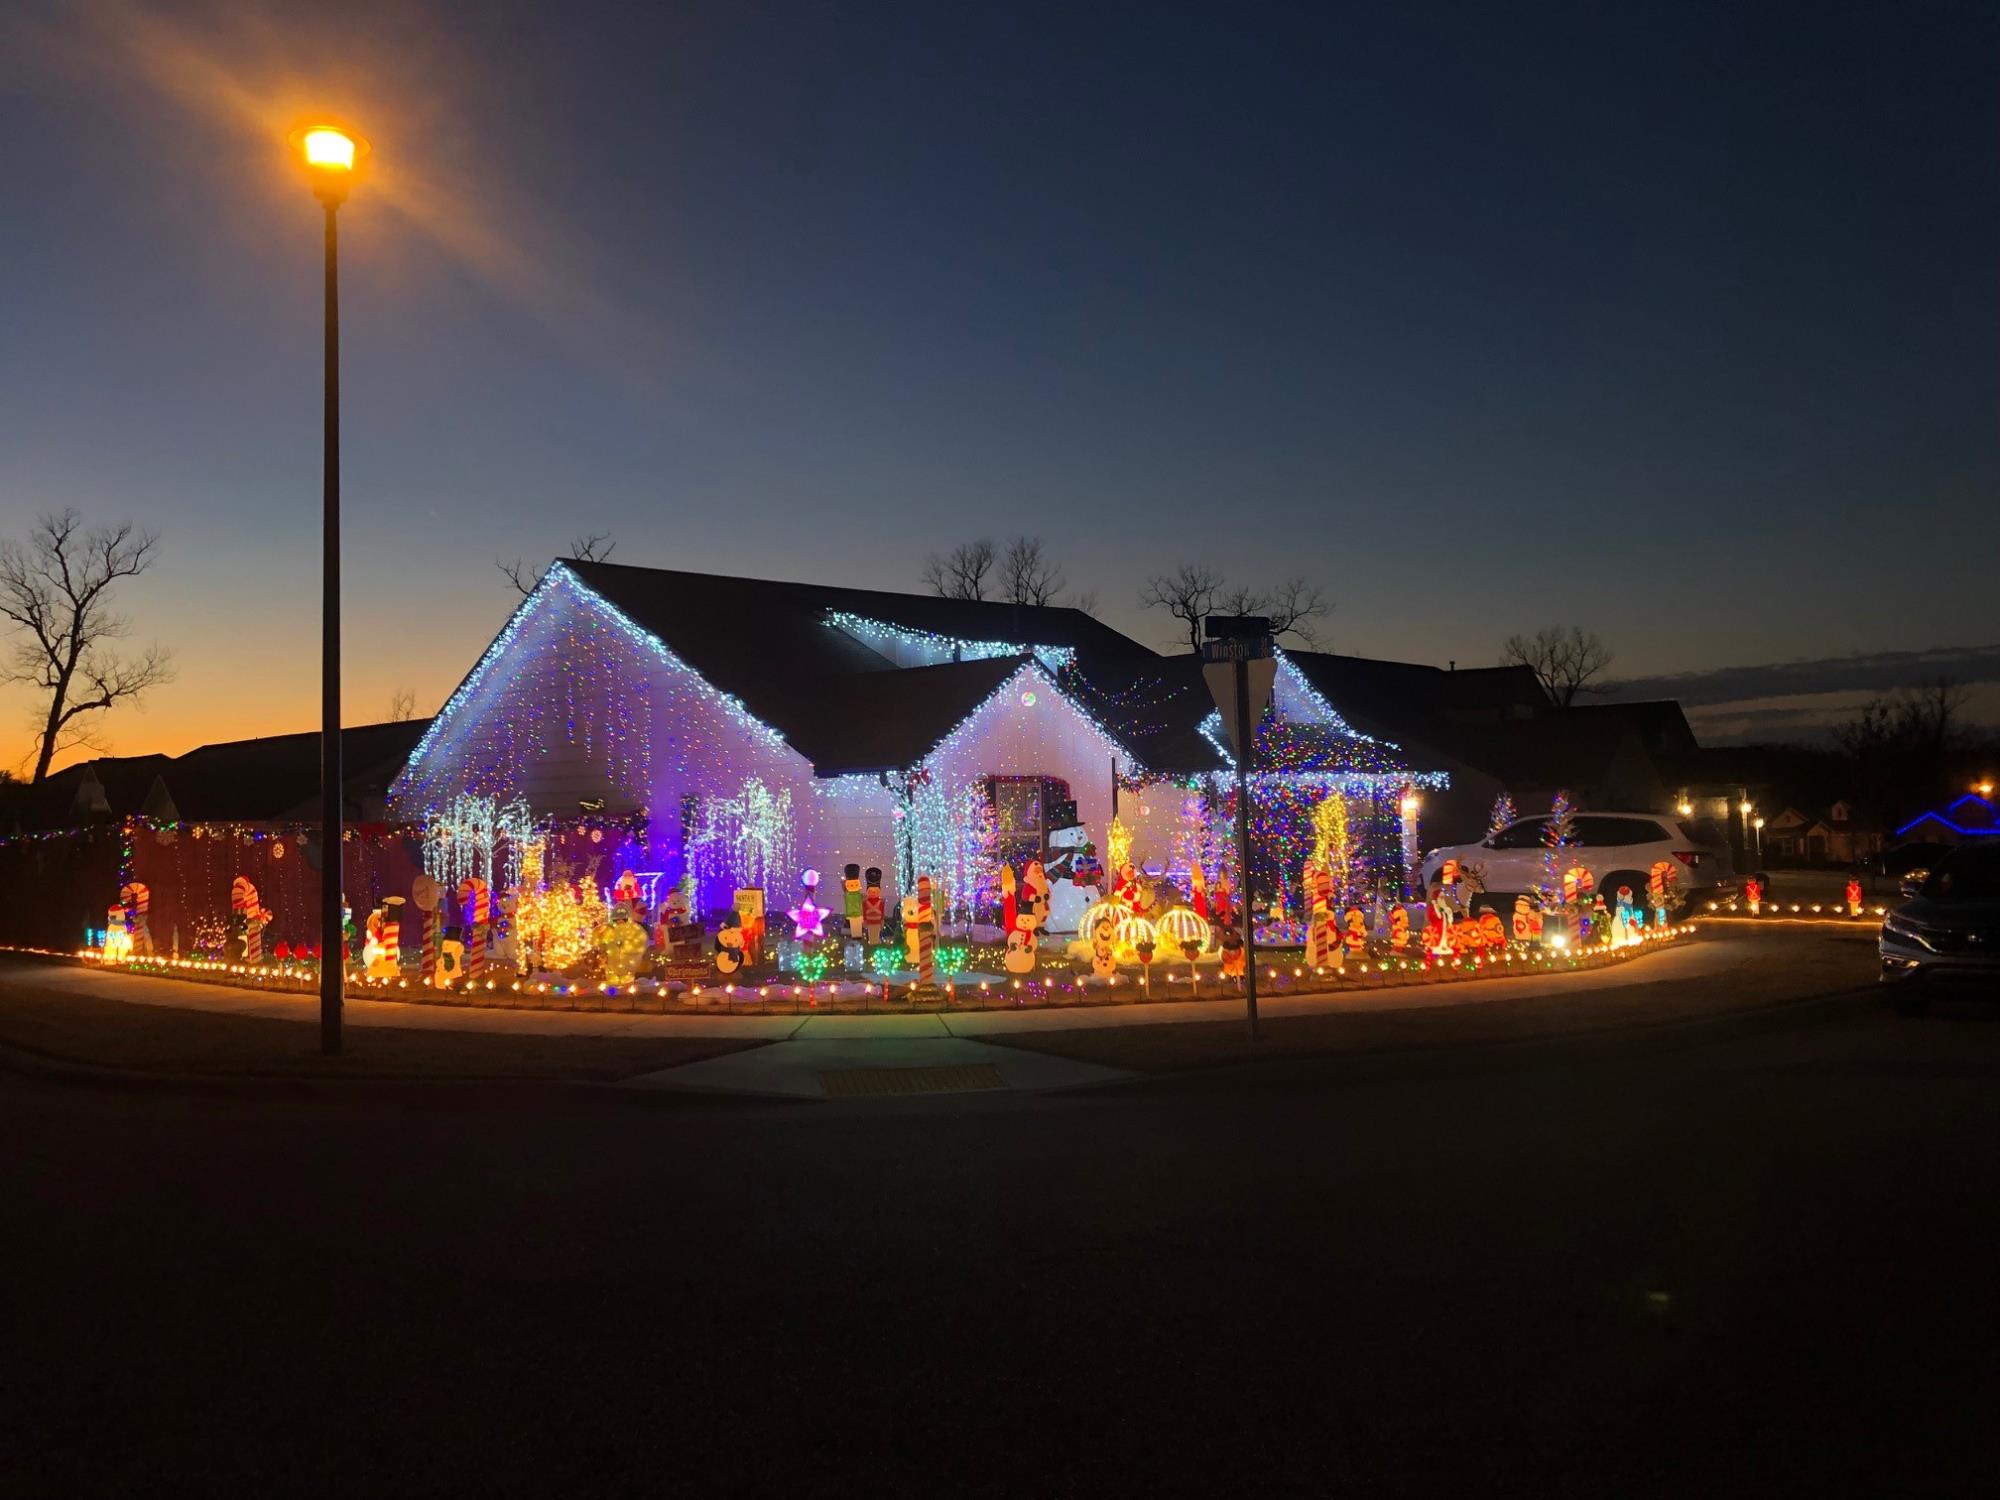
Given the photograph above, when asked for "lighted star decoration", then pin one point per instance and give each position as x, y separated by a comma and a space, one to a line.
808, 917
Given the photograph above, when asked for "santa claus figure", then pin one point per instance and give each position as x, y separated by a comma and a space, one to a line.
1199, 884
1224, 906
1035, 892
1437, 922
1126, 891
625, 892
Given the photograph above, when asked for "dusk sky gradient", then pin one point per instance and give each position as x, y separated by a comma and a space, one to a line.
1675, 321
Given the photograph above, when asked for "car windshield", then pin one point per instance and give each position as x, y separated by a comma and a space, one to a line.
1966, 875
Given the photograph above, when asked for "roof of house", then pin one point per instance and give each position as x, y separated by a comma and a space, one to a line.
1410, 701
251, 781
888, 721
1659, 722
1162, 706
277, 777
769, 644
1551, 750
113, 786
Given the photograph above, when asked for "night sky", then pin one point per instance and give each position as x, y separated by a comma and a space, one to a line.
1675, 321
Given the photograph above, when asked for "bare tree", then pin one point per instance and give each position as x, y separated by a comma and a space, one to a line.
56, 589
1085, 600
1899, 748
1188, 594
1028, 575
1566, 660
960, 573
1196, 591
402, 705
1295, 607
597, 547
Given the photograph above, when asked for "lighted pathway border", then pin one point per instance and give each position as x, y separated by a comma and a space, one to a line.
1681, 960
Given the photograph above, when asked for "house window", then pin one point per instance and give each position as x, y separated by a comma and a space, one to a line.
1025, 810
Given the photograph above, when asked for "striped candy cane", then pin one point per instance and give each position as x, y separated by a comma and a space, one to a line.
926, 934
389, 936
477, 901
137, 898
243, 904
432, 932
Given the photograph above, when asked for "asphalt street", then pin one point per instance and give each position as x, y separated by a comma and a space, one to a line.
1747, 1256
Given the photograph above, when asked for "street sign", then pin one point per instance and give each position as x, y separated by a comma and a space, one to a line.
1221, 678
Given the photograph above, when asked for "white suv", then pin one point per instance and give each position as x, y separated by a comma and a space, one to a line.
1617, 848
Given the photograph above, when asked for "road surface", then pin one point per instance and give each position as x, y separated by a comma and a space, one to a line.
1747, 1256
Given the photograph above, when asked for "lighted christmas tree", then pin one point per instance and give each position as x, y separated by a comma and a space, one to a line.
1559, 835
1331, 850
1501, 816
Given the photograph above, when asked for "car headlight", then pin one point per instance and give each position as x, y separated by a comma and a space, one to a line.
1898, 925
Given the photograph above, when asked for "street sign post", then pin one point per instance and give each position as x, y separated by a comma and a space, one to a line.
1237, 662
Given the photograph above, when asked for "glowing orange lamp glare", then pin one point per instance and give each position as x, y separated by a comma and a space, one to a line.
332, 155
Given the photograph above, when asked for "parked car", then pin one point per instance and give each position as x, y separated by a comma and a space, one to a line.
1617, 848
1949, 928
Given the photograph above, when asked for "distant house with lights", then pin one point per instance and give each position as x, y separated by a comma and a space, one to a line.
1970, 819
739, 731
1838, 835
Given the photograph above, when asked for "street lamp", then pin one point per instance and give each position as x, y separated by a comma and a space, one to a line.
331, 154
1758, 824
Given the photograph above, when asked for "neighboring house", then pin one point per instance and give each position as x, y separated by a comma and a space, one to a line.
270, 780
1837, 836
1970, 819
740, 731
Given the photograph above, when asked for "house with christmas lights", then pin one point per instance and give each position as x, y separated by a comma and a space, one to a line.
734, 733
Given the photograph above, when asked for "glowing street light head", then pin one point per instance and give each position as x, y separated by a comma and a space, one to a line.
1744, 807
327, 147
1685, 808
332, 154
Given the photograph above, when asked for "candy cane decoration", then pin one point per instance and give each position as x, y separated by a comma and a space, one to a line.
242, 896
926, 934
477, 900
137, 898
424, 896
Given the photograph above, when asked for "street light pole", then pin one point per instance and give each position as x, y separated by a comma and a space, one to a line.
332, 962
331, 154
